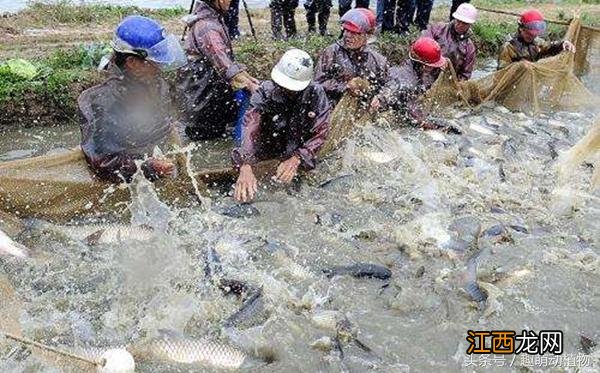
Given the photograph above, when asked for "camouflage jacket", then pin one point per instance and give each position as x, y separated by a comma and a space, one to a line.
516, 49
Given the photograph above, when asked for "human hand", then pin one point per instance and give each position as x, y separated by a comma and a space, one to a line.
568, 46
287, 170
246, 185
162, 168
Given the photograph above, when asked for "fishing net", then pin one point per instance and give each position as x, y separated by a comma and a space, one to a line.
350, 113
547, 85
59, 187
587, 149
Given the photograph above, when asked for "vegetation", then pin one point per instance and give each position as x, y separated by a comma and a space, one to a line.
50, 96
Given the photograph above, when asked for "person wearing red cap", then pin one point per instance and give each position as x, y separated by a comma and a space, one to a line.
455, 40
526, 45
342, 63
410, 81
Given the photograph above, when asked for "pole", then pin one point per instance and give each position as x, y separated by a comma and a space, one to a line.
249, 19
190, 12
52, 349
518, 15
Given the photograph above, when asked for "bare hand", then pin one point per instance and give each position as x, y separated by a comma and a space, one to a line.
246, 185
287, 170
162, 168
568, 46
252, 84
375, 105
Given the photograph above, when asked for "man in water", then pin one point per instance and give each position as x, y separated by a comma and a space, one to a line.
288, 119
207, 83
127, 116
526, 45
410, 81
344, 64
455, 40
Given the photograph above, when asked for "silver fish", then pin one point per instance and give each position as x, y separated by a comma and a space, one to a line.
96, 234
178, 349
10, 247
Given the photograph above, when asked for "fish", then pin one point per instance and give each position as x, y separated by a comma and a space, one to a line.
10, 247
172, 347
465, 234
251, 313
472, 287
98, 234
346, 331
290, 267
481, 129
587, 344
436, 136
342, 181
359, 270
238, 211
519, 228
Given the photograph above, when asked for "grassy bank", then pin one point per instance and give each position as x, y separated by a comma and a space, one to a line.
65, 42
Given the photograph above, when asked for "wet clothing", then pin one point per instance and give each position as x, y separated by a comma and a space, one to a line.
317, 9
123, 120
406, 85
277, 125
338, 65
232, 19
459, 49
518, 49
283, 13
346, 5
205, 93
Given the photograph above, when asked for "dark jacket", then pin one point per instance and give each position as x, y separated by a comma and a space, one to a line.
338, 65
123, 120
517, 49
205, 95
406, 85
459, 49
277, 125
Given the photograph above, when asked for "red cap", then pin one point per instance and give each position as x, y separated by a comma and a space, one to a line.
532, 15
358, 20
428, 52
533, 21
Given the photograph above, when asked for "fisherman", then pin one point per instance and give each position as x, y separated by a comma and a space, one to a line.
347, 62
455, 40
288, 119
410, 81
206, 85
526, 45
283, 11
317, 9
127, 116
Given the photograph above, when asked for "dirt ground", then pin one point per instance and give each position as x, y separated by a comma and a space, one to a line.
23, 38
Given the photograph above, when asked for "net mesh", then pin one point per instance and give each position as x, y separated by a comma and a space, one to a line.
547, 85
59, 187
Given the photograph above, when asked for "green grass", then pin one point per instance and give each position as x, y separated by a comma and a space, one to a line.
67, 12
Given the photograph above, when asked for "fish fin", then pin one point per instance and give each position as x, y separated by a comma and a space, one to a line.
94, 238
363, 346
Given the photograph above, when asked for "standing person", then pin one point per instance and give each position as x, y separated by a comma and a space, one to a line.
232, 19
386, 14
345, 5
455, 40
527, 45
405, 14
283, 12
288, 119
410, 81
207, 83
343, 64
323, 9
124, 118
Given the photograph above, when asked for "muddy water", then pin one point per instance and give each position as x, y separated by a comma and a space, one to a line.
403, 190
